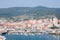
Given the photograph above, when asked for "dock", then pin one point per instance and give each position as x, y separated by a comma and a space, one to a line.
2, 38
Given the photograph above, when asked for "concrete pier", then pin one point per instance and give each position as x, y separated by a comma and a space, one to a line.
2, 38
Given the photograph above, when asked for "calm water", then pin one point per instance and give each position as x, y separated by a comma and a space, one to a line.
31, 37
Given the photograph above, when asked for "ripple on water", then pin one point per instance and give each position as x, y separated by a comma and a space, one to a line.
30, 37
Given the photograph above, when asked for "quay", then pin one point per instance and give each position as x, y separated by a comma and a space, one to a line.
55, 32
2, 38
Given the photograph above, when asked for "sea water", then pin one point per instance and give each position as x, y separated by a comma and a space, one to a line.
32, 37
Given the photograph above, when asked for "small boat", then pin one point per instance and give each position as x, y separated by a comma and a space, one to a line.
4, 33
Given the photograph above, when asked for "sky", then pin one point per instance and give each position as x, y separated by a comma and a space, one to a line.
29, 3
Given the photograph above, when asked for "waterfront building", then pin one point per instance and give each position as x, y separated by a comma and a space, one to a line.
31, 25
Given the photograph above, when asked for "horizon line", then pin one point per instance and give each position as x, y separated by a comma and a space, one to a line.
29, 6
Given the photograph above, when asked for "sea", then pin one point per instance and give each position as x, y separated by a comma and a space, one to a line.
32, 37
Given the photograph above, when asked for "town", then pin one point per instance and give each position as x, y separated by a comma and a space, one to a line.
47, 25
29, 27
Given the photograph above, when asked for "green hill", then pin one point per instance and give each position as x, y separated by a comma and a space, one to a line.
29, 11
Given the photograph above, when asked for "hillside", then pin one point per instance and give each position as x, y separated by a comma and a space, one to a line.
29, 11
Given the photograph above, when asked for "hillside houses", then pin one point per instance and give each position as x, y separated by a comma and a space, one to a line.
30, 25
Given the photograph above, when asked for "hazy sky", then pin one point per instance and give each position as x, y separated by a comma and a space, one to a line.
29, 3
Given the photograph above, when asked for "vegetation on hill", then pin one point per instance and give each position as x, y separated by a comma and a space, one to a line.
35, 12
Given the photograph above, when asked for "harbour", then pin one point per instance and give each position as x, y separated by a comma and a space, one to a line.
32, 37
